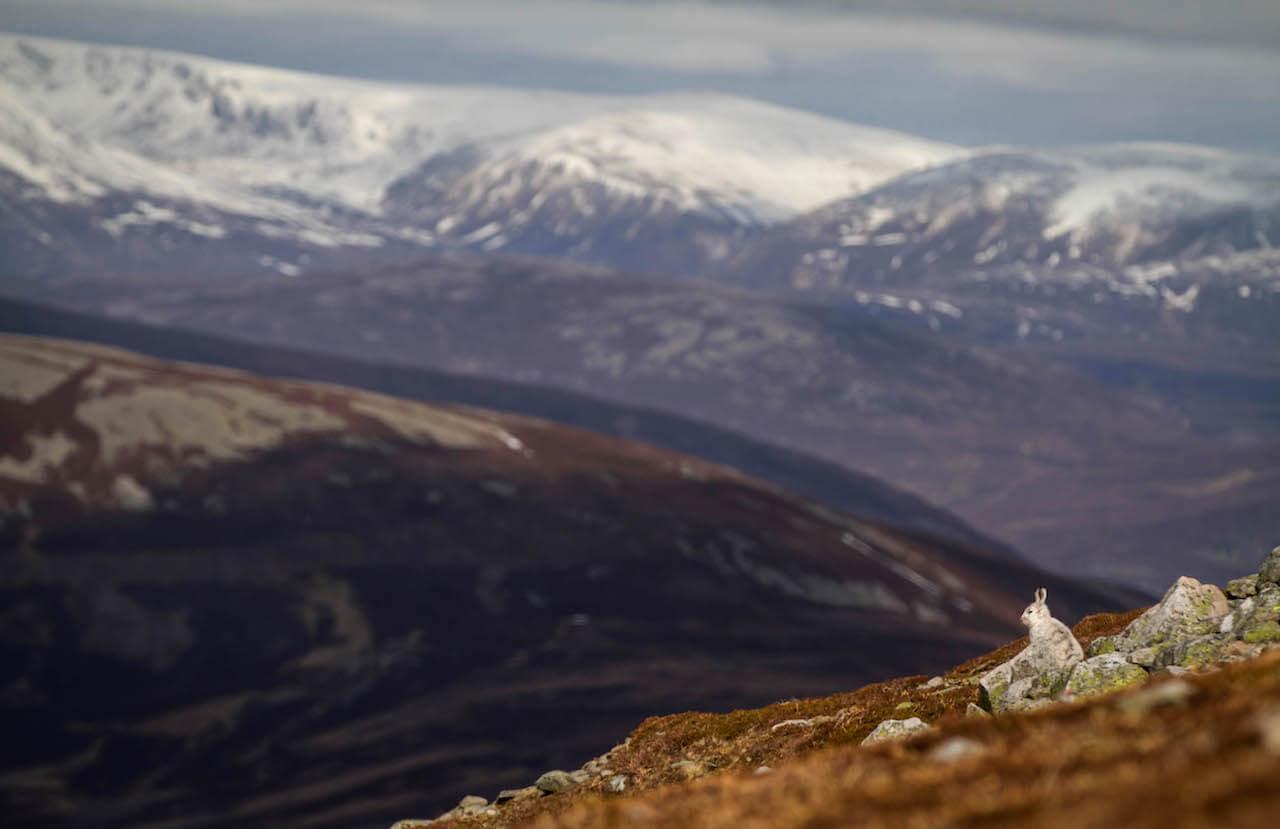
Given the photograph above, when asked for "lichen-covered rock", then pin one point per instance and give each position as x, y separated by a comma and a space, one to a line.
895, 729
1243, 587
1103, 674
555, 782
1197, 652
1189, 609
1269, 572
1266, 633
1101, 645
1034, 673
1255, 619
975, 711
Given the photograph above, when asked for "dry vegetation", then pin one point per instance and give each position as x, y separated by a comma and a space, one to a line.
1211, 758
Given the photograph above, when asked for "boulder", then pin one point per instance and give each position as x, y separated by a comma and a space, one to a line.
895, 729
555, 782
1104, 674
1195, 653
1256, 620
1033, 674
1101, 645
1243, 587
1189, 609
1269, 572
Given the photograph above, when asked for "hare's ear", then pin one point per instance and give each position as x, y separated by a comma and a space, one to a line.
1041, 595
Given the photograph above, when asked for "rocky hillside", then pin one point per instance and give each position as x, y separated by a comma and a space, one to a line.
230, 600
1182, 698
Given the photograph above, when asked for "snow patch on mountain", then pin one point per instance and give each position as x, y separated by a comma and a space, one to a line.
313, 156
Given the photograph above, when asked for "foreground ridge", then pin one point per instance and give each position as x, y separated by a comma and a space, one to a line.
1173, 716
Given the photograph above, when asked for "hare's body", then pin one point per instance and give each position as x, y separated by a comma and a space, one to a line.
1050, 635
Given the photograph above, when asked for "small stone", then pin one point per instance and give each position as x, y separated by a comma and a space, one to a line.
689, 769
472, 801
761, 771
1173, 692
1269, 572
555, 782
1243, 587
579, 776
895, 729
955, 748
975, 711
508, 795
616, 784
411, 823
1268, 726
934, 682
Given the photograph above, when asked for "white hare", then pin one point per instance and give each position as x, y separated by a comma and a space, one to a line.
1048, 634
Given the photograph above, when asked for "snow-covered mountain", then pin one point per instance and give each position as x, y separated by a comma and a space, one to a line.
1151, 226
215, 150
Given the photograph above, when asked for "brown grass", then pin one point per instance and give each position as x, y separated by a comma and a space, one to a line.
1083, 764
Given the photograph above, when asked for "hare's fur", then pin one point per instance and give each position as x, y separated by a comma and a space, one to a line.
1049, 634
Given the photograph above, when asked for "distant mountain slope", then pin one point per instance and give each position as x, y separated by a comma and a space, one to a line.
794, 472
289, 604
193, 147
1015, 444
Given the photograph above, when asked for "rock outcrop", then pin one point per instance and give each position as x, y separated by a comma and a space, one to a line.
1193, 627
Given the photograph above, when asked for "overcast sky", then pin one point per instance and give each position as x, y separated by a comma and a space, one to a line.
989, 71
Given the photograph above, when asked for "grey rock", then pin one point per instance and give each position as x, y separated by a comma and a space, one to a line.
934, 682
761, 771
616, 784
973, 710
472, 801
1187, 610
1034, 673
1256, 619
953, 749
1194, 653
1101, 645
1269, 572
895, 729
580, 776
1104, 674
1243, 587
556, 781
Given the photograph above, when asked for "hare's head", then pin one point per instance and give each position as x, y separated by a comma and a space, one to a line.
1037, 610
